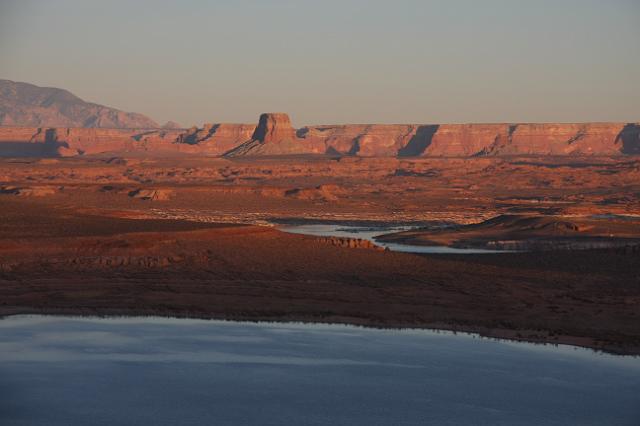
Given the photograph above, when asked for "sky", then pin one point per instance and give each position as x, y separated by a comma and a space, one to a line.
334, 61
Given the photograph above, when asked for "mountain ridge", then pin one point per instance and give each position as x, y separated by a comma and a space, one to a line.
28, 105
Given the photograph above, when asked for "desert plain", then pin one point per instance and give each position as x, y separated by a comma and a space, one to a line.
191, 222
134, 232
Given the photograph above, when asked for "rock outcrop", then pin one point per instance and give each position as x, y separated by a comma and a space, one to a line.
215, 139
465, 140
23, 104
274, 128
370, 140
559, 139
275, 135
321, 193
152, 194
352, 243
29, 191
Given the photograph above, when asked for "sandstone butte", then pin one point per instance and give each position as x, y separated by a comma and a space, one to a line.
274, 135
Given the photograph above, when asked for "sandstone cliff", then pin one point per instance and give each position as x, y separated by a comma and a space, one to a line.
274, 135
357, 139
463, 140
215, 139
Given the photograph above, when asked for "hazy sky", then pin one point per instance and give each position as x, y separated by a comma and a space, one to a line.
334, 61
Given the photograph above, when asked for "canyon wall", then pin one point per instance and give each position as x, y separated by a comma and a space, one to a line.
464, 140
274, 135
214, 139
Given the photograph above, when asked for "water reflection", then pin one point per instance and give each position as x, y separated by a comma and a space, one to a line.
77, 371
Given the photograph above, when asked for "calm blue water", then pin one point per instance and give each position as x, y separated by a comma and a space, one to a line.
156, 371
371, 232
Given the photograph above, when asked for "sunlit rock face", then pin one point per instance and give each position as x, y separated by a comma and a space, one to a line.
274, 127
214, 139
366, 140
274, 135
560, 139
465, 140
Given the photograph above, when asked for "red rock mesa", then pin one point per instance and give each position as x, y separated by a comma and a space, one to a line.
274, 135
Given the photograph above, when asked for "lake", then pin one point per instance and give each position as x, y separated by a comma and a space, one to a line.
371, 232
160, 371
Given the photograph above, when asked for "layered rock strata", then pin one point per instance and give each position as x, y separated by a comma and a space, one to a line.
274, 135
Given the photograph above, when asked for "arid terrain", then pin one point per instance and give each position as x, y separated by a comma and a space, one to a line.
521, 232
358, 213
114, 215
194, 236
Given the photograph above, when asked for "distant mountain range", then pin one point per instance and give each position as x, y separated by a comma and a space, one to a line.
23, 104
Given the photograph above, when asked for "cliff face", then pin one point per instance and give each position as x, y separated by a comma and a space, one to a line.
629, 139
71, 141
274, 128
274, 135
214, 139
525, 139
369, 140
560, 139
464, 140
23, 104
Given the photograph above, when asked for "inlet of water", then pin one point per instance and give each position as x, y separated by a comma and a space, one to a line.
371, 232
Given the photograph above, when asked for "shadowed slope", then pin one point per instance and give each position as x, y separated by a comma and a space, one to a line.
630, 138
419, 142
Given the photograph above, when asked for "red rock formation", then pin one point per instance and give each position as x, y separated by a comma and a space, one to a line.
628, 141
215, 139
273, 128
26, 142
91, 141
274, 135
463, 140
560, 139
21, 134
372, 140
353, 243
47, 142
